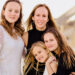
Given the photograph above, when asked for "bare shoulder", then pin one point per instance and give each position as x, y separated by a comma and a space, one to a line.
25, 38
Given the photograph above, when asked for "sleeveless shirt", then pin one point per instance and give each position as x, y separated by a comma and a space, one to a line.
34, 35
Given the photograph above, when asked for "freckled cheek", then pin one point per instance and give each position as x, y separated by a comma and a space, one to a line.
18, 15
47, 45
56, 44
7, 14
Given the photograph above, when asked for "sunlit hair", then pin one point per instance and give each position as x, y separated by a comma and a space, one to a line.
6, 24
69, 57
50, 23
30, 59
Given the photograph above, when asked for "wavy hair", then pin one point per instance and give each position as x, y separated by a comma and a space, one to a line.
30, 22
69, 55
30, 59
6, 24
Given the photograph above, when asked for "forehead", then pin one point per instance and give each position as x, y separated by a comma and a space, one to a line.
41, 9
49, 35
13, 5
37, 48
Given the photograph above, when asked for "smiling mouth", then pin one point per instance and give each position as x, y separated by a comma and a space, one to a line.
50, 46
12, 17
40, 58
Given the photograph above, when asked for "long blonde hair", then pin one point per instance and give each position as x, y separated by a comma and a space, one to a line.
6, 24
30, 59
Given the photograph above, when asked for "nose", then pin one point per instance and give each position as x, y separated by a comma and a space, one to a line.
38, 56
40, 18
13, 13
47, 44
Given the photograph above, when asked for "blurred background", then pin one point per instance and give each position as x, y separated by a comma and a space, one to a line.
63, 12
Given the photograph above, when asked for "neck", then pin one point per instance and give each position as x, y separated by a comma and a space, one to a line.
41, 29
12, 26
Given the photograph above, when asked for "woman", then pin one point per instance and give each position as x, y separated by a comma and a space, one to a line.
39, 52
64, 54
11, 43
39, 20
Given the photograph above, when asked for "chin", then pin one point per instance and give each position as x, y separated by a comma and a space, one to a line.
51, 49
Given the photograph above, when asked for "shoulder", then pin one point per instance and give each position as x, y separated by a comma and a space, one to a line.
25, 37
30, 31
62, 55
1, 28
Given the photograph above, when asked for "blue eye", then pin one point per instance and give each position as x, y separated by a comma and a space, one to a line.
51, 40
44, 15
35, 55
10, 10
45, 41
16, 11
37, 15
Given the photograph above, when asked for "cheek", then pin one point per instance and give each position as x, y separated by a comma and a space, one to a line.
46, 44
5, 13
46, 19
56, 44
18, 15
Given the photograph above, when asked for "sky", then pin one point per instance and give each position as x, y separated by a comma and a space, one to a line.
57, 7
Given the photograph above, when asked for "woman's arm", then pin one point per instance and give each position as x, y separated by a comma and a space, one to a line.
25, 38
72, 73
1, 38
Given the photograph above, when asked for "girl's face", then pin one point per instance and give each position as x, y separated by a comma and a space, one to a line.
40, 54
12, 12
50, 41
40, 17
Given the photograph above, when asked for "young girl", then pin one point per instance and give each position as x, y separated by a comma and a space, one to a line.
11, 43
64, 54
42, 55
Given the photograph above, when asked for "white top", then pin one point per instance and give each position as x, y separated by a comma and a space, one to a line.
10, 53
45, 71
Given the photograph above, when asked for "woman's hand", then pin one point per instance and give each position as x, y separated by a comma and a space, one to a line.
51, 65
50, 60
72, 73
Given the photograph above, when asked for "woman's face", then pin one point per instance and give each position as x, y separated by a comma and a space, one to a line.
12, 12
50, 41
40, 17
40, 54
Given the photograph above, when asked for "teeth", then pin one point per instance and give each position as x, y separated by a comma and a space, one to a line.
40, 23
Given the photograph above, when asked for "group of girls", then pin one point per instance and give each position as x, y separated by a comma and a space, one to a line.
48, 53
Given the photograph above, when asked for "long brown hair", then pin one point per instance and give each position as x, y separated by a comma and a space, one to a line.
18, 25
69, 57
50, 23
